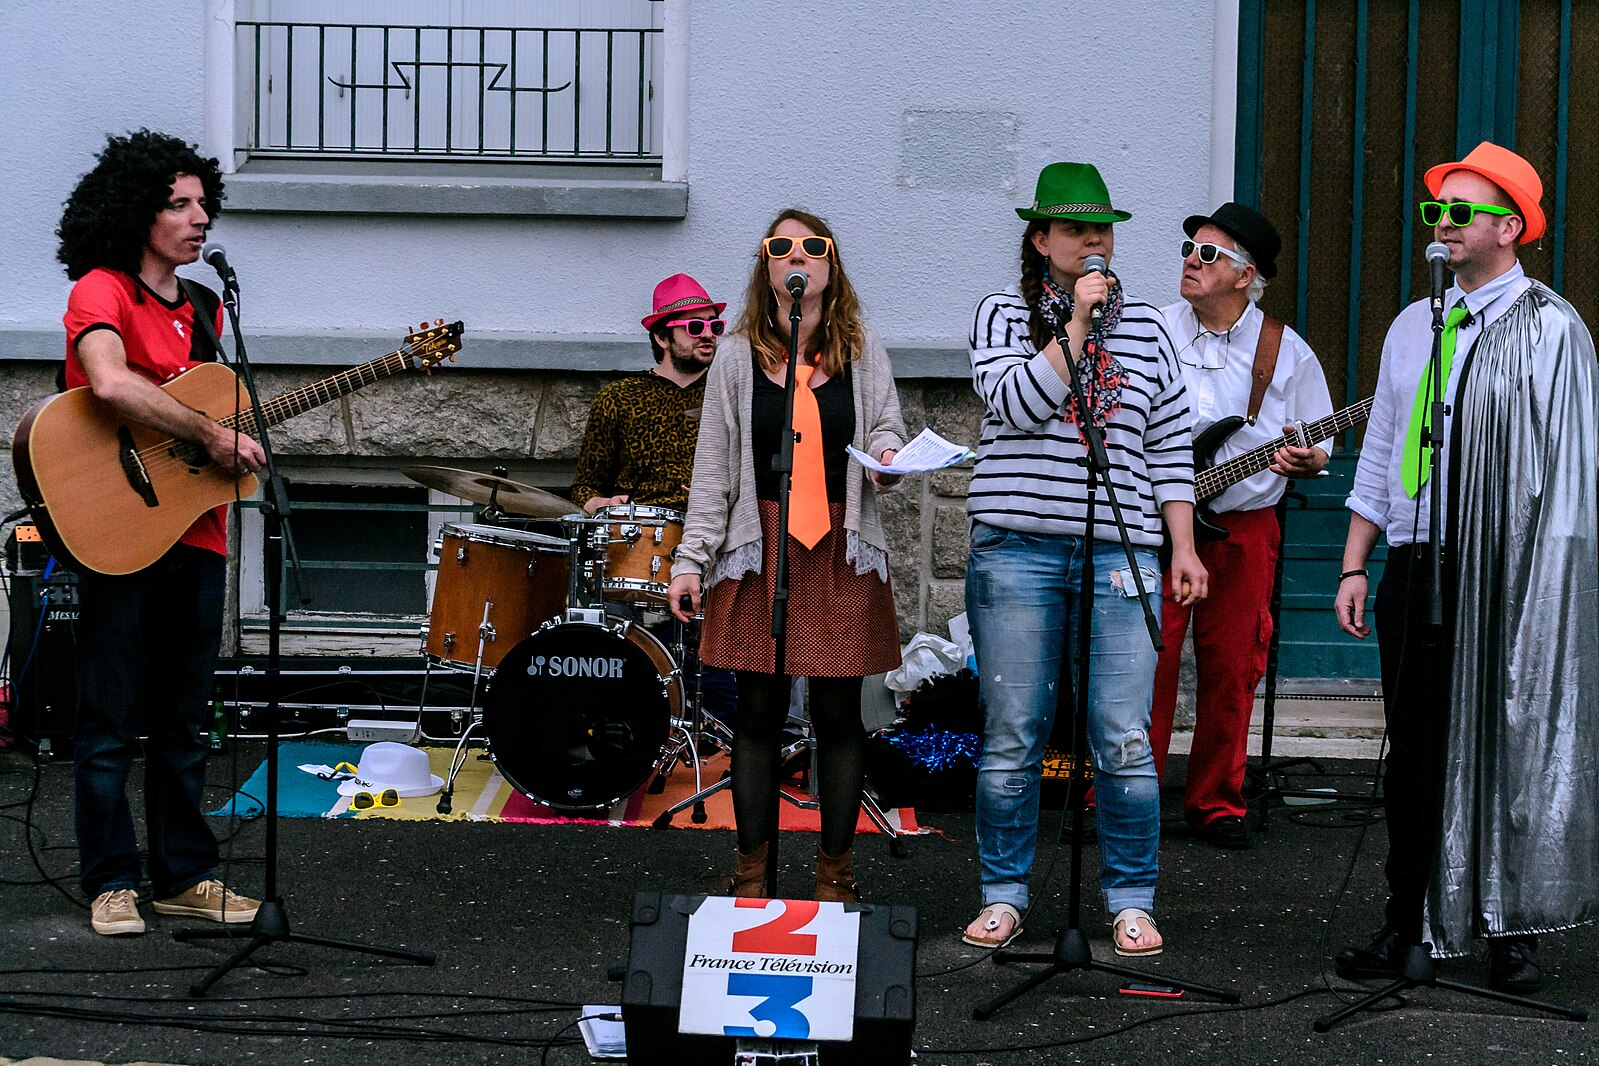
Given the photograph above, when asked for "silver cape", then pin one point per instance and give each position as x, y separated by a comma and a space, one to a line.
1520, 846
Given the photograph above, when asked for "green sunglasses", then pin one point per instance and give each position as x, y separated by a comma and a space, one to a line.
1460, 213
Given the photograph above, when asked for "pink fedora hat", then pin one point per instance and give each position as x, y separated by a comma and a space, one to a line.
676, 294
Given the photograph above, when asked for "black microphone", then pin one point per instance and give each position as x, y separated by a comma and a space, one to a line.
795, 283
1437, 260
1095, 264
213, 254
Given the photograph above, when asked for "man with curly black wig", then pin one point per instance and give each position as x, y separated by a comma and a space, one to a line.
148, 640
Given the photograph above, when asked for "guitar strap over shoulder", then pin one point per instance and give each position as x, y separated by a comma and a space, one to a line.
205, 304
1271, 338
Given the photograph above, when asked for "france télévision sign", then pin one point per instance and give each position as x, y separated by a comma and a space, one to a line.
770, 968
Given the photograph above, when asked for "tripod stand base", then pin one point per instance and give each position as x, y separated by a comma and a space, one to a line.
271, 926
1073, 953
1420, 970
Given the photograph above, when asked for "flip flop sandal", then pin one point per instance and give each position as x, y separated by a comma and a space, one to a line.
991, 916
1129, 925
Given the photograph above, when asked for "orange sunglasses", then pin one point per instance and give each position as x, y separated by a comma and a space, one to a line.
813, 247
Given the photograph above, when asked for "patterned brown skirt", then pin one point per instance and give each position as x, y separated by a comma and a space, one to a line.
840, 623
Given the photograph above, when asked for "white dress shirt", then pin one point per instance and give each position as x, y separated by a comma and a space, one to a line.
1379, 494
1218, 371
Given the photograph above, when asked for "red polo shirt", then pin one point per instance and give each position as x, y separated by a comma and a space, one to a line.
161, 342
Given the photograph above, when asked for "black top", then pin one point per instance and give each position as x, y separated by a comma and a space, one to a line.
835, 401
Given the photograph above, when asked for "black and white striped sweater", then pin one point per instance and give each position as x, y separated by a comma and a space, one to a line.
1031, 472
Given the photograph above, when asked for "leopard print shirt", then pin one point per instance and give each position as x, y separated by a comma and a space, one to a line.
640, 442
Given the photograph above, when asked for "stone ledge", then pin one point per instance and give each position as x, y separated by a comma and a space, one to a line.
504, 197
488, 350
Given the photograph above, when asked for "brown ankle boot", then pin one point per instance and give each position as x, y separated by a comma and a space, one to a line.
749, 879
835, 877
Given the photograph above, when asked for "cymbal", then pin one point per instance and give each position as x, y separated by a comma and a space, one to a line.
510, 496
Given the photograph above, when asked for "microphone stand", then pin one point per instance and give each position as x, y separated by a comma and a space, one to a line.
783, 465
1071, 945
1417, 968
271, 922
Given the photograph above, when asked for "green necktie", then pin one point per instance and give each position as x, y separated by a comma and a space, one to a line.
1417, 464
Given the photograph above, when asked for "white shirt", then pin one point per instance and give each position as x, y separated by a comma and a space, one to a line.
1218, 371
1379, 494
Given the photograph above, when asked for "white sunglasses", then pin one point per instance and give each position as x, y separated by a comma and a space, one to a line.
1208, 253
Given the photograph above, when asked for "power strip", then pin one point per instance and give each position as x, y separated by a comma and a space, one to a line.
370, 730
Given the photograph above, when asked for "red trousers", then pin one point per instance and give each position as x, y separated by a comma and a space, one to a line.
1232, 630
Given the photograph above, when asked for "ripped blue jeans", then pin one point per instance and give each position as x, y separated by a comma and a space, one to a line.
1022, 601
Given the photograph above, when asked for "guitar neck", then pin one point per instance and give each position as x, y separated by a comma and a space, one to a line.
318, 393
1214, 481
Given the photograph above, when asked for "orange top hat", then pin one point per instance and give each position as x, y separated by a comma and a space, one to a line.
1507, 170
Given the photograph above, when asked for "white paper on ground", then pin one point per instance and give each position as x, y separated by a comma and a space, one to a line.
604, 1037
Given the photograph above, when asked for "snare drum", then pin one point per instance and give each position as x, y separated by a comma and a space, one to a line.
638, 555
500, 584
578, 714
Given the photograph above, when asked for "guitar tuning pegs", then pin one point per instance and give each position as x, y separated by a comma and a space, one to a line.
438, 321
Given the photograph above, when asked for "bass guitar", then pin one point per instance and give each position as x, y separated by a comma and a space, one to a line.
113, 496
1211, 479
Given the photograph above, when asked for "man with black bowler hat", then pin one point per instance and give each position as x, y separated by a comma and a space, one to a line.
1492, 777
1235, 360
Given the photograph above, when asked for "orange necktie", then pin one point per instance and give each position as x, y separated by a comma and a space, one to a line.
808, 520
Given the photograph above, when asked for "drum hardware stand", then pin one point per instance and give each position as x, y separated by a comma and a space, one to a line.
1071, 945
1263, 775
271, 922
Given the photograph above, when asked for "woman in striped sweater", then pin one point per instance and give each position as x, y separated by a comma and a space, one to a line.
1027, 503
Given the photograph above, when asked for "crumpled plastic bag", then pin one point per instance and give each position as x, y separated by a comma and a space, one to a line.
924, 657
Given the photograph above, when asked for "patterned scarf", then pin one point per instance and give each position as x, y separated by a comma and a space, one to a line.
1103, 385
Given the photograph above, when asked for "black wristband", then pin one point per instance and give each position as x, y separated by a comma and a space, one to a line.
1347, 574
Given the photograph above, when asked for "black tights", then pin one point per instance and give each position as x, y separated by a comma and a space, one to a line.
840, 756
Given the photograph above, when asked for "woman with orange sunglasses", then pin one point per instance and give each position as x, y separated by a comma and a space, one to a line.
842, 624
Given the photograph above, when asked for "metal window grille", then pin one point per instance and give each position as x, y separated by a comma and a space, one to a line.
479, 93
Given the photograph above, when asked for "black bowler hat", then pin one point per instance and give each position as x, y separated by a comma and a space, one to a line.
1248, 227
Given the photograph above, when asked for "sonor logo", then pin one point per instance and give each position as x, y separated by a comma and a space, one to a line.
574, 666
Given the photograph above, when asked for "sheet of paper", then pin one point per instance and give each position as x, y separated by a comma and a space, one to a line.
927, 452
604, 1037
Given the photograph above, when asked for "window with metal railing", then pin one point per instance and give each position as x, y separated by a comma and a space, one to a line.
568, 83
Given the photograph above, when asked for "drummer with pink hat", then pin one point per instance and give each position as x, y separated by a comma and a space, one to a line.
639, 443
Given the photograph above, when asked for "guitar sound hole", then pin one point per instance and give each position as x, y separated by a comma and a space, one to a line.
189, 454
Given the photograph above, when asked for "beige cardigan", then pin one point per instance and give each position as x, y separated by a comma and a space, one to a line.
722, 536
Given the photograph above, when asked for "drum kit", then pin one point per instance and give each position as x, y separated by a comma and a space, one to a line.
580, 702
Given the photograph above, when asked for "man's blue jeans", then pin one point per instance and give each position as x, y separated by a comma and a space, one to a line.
147, 650
1022, 600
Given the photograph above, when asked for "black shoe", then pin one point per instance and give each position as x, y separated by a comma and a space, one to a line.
1382, 958
1228, 831
1513, 964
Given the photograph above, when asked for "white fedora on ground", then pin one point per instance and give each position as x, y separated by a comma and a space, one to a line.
401, 767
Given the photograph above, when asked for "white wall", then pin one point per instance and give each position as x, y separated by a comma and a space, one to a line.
914, 128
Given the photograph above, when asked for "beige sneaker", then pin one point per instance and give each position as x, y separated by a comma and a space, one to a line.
116, 913
212, 901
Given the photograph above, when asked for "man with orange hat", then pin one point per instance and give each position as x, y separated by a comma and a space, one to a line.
1492, 777
639, 443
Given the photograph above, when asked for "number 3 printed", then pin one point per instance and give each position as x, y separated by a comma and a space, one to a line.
775, 1016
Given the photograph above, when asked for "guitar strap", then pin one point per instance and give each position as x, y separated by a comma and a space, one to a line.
205, 305
1271, 338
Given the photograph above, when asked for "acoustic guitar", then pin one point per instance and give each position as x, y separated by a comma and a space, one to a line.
113, 496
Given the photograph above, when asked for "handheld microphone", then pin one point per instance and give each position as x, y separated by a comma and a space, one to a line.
213, 254
1437, 259
1095, 264
795, 283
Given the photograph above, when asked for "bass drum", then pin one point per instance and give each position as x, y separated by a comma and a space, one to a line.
577, 714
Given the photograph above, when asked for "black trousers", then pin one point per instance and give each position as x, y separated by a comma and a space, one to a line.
1415, 684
